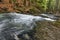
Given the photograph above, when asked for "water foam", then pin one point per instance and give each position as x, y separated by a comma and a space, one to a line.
19, 23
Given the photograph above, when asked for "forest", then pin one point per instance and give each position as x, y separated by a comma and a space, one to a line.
45, 30
30, 6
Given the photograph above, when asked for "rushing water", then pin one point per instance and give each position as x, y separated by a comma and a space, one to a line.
13, 24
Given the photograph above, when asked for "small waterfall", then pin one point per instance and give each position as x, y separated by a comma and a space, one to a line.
12, 24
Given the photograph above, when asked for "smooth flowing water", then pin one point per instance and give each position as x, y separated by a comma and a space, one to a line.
13, 24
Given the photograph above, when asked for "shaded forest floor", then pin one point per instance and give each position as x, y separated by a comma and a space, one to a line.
48, 31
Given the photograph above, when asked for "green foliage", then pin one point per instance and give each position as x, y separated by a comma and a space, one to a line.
43, 5
14, 0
